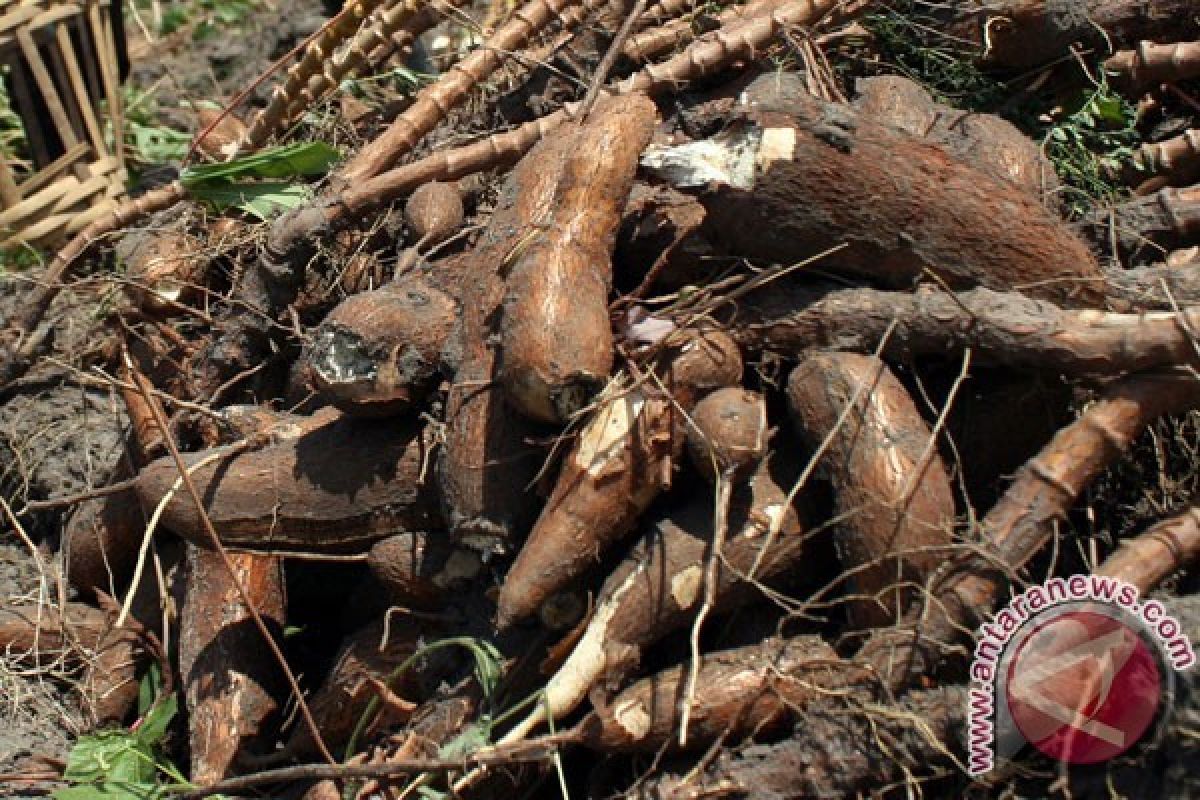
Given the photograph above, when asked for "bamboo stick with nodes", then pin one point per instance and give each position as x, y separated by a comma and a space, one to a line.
313, 62
1172, 161
435, 101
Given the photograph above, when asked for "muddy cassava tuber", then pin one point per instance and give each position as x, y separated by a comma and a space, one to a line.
378, 353
622, 460
555, 334
893, 498
659, 586
739, 692
339, 487
797, 178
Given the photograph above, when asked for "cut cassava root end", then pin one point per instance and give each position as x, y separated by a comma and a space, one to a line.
378, 353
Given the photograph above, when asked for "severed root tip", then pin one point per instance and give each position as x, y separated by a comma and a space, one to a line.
379, 352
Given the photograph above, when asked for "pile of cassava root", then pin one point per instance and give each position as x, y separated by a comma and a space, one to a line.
670, 442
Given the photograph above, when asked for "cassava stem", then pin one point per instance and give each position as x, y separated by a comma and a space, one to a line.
703, 57
1022, 521
434, 102
1152, 556
1001, 328
1151, 63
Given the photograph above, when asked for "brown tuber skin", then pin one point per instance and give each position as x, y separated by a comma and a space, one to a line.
728, 433
230, 683
434, 212
379, 353
101, 542
985, 141
337, 488
421, 569
622, 460
892, 493
739, 693
817, 176
555, 335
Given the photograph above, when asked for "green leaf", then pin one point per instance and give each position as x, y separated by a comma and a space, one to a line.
156, 145
114, 756
287, 161
110, 791
154, 724
149, 688
264, 199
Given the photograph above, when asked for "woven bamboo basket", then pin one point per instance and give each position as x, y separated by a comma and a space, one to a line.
61, 60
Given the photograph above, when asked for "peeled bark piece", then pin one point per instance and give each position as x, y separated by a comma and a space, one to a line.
1151, 63
556, 338
1152, 556
343, 696
984, 141
623, 459
1022, 522
824, 176
379, 353
834, 751
101, 540
231, 683
434, 212
1024, 33
739, 693
421, 569
658, 588
891, 491
1000, 328
336, 488
1145, 228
